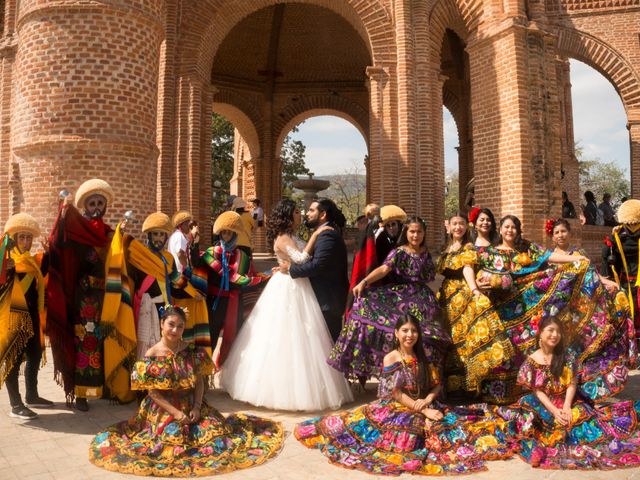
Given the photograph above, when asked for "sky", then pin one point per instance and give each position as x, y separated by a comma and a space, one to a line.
335, 146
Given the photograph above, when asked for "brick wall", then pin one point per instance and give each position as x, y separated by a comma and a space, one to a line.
124, 91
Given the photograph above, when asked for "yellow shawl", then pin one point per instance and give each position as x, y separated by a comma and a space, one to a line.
117, 322
15, 322
197, 326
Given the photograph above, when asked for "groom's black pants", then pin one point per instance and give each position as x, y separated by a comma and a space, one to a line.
334, 323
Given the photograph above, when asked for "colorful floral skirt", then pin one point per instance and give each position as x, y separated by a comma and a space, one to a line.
386, 438
367, 335
597, 324
478, 346
604, 437
153, 443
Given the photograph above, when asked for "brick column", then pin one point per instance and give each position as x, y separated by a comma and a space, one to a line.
634, 144
515, 108
86, 77
377, 176
406, 117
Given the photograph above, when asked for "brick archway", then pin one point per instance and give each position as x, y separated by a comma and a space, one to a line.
309, 107
243, 123
370, 19
605, 59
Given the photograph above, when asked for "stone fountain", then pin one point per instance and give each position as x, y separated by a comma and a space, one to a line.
310, 186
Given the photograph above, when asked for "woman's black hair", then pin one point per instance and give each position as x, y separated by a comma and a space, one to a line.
520, 243
589, 196
402, 239
171, 310
281, 219
334, 214
466, 238
558, 360
421, 357
494, 237
563, 222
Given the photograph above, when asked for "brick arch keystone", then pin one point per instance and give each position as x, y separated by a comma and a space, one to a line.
605, 59
211, 21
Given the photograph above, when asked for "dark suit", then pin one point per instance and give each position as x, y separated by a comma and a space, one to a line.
327, 271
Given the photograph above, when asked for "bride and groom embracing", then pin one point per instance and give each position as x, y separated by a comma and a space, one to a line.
278, 360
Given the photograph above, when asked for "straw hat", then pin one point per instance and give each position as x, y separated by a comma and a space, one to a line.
238, 202
629, 212
157, 221
95, 186
181, 217
389, 213
228, 221
22, 222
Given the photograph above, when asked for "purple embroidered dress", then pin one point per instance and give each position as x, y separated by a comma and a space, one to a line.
367, 335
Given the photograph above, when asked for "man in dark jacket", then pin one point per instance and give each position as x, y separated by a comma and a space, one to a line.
327, 269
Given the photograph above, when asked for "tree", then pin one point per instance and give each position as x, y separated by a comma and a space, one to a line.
602, 177
292, 159
222, 137
348, 191
451, 193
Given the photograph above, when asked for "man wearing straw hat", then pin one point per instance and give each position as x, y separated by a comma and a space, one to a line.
21, 320
75, 293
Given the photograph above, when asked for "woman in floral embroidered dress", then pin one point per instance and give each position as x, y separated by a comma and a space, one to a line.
367, 335
175, 432
609, 329
554, 428
407, 430
534, 290
462, 302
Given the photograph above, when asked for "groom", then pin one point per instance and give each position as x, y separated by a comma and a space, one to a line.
327, 269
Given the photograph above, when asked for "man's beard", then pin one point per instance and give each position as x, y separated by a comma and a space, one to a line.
158, 246
311, 223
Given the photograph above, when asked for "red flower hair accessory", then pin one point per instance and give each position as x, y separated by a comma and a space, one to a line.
548, 227
474, 214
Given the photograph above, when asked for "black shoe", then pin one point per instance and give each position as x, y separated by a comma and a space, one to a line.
22, 412
38, 402
82, 404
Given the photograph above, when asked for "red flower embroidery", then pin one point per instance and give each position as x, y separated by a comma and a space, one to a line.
82, 360
89, 343
88, 311
95, 360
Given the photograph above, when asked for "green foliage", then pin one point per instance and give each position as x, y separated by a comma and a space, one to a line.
452, 189
292, 158
222, 144
222, 134
602, 177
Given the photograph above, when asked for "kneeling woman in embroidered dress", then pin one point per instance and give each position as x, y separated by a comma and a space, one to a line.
175, 432
407, 429
554, 428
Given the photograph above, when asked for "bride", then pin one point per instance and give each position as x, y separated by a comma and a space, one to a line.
278, 360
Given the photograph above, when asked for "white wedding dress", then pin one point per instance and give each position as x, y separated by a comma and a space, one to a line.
278, 360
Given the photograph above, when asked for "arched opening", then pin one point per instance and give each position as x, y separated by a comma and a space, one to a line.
595, 138
452, 200
457, 125
341, 162
282, 61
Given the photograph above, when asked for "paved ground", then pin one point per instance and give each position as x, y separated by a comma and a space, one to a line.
55, 445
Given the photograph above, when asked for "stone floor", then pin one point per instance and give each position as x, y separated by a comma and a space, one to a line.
55, 445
